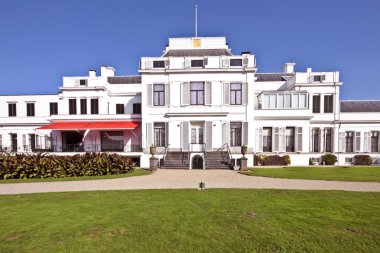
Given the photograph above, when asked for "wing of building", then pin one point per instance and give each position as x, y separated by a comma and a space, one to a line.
198, 104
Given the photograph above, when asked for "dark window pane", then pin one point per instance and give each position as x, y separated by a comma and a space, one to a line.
316, 104
12, 110
83, 106
72, 106
159, 134
328, 104
119, 109
317, 78
158, 64
236, 62
30, 109
196, 63
137, 108
94, 106
235, 133
83, 82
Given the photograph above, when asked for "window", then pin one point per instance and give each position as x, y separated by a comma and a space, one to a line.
83, 106
267, 139
197, 93
349, 141
285, 101
53, 108
235, 128
235, 93
302, 101
119, 108
137, 108
12, 110
112, 141
158, 64
94, 106
159, 94
295, 101
159, 134
316, 140
290, 139
280, 101
375, 141
328, 140
317, 104
317, 78
83, 82
272, 103
72, 106
236, 62
30, 110
328, 108
196, 63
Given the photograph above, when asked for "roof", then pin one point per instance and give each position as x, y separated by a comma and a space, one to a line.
360, 106
196, 52
124, 79
272, 77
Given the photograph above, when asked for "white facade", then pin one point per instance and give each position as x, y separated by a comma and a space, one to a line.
196, 99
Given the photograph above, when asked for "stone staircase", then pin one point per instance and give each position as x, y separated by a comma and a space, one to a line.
218, 160
176, 160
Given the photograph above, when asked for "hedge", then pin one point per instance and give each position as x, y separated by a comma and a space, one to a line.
329, 159
276, 160
362, 160
24, 166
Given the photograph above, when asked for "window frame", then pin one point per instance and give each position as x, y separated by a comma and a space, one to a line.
268, 138
236, 60
12, 109
349, 139
53, 108
136, 108
234, 94
330, 106
83, 106
94, 102
159, 95
375, 135
72, 106
314, 104
197, 61
159, 61
159, 134
199, 93
30, 109
290, 139
236, 134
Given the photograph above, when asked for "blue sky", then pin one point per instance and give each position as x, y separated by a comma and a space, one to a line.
43, 40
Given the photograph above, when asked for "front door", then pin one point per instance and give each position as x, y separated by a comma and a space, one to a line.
197, 137
197, 162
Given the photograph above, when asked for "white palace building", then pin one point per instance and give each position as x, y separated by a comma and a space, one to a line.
196, 103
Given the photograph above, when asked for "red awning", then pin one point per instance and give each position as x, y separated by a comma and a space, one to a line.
90, 125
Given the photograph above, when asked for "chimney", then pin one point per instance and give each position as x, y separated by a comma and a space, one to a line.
308, 70
92, 73
107, 71
289, 67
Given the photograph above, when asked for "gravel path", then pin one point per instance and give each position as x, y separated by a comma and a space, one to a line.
180, 179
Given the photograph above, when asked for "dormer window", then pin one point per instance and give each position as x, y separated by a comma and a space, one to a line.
236, 62
318, 78
83, 82
196, 63
158, 64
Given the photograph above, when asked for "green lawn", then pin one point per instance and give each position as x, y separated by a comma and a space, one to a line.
136, 172
191, 221
359, 174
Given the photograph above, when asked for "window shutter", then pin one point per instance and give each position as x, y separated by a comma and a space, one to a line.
205, 61
149, 134
282, 139
259, 139
185, 97
167, 94
299, 139
208, 91
225, 62
342, 142
323, 78
149, 94
245, 133
24, 141
187, 63
37, 141
244, 94
167, 64
276, 143
185, 135
148, 64
228, 133
166, 134
245, 62
208, 131
357, 141
226, 93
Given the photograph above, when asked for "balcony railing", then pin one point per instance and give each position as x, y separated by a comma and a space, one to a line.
73, 148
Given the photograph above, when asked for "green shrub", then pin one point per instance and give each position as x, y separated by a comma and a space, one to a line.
362, 160
329, 159
265, 160
21, 166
